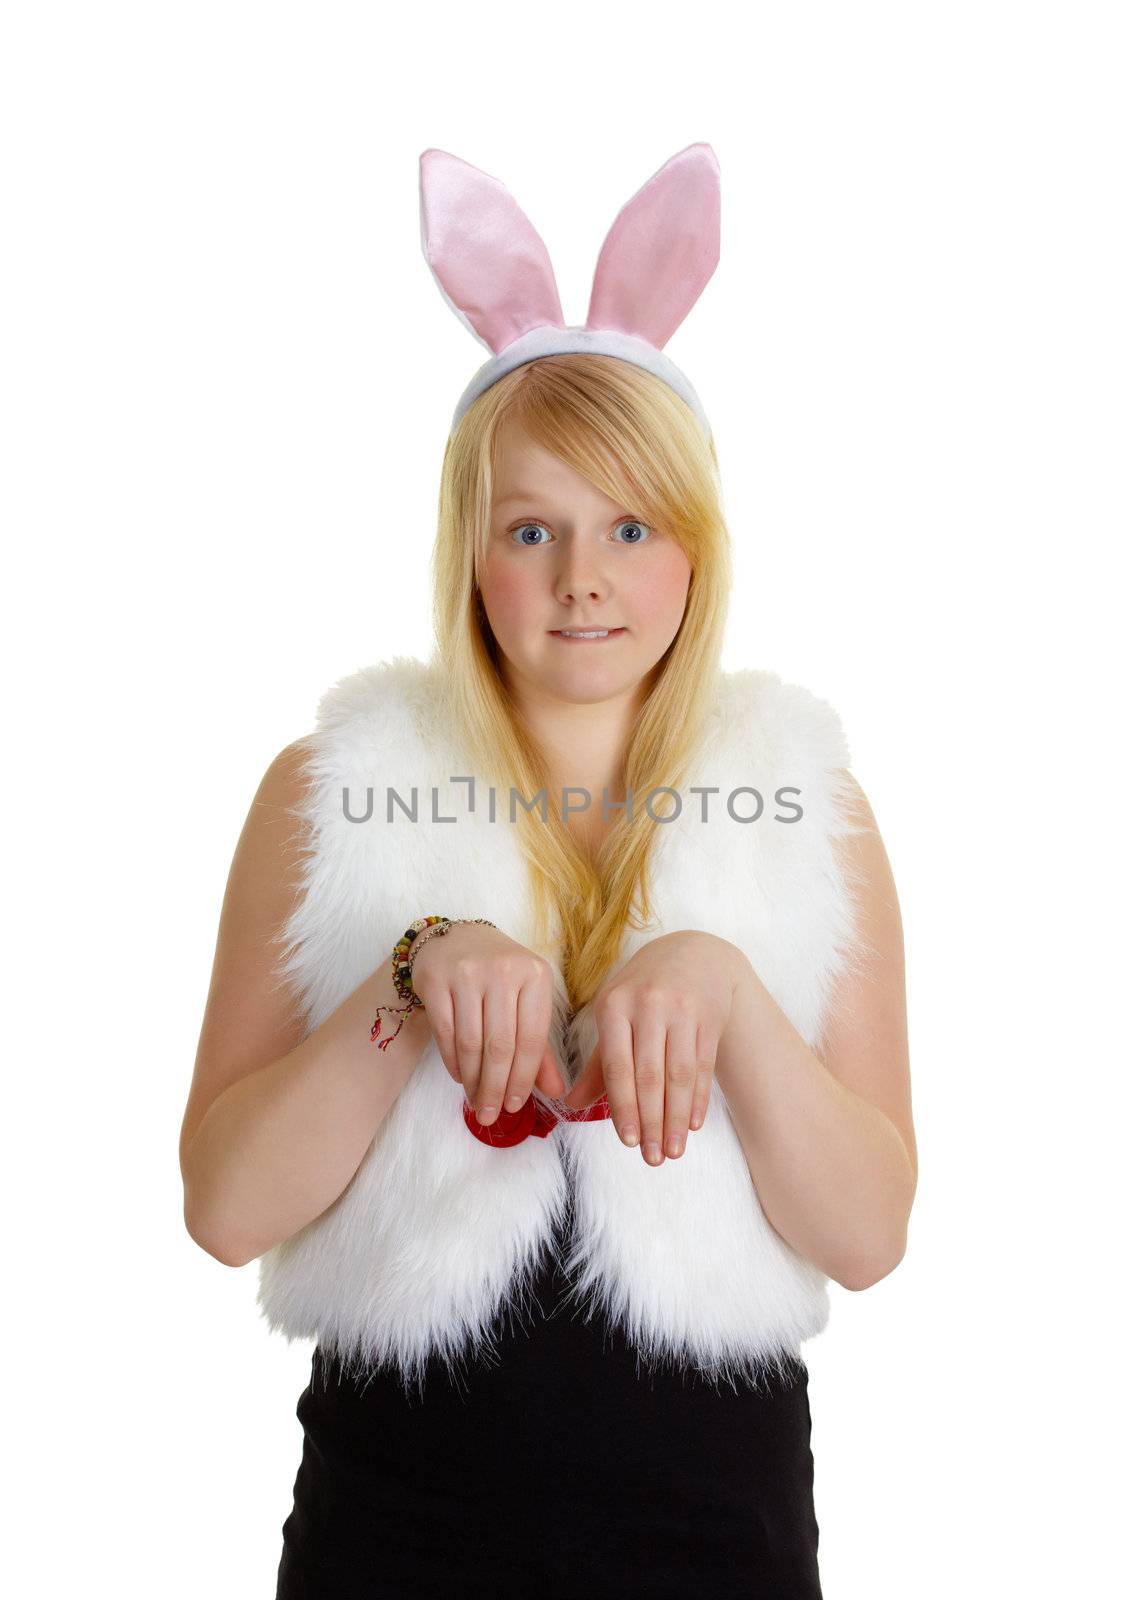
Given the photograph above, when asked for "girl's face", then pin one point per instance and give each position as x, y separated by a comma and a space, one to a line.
562, 555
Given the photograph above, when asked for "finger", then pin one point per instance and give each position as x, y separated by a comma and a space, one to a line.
440, 1016
468, 1036
707, 1053
615, 1051
499, 1041
534, 1011
679, 1083
649, 1035
549, 1076
589, 1085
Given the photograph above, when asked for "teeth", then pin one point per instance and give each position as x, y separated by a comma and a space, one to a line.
573, 633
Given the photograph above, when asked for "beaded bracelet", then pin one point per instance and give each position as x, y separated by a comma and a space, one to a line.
401, 975
402, 963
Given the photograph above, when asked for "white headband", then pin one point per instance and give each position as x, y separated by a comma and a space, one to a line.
495, 273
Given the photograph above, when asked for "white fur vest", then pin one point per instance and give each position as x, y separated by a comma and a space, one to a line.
438, 1234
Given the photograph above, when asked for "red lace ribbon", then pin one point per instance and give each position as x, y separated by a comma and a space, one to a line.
532, 1118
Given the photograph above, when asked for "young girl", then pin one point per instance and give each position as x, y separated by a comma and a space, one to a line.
555, 1053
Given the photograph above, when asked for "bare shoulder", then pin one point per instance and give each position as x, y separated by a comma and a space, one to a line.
275, 813
866, 1043
248, 1021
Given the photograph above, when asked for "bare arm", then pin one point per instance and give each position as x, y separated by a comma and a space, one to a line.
829, 1136
277, 1124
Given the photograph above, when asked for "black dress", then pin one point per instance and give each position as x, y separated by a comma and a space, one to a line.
559, 1468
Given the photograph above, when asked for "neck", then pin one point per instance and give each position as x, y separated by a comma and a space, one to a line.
586, 750
584, 743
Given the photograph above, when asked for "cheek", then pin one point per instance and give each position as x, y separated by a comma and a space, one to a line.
506, 588
661, 591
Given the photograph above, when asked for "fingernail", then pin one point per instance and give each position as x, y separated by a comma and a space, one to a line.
514, 1101
673, 1145
487, 1114
630, 1135
652, 1151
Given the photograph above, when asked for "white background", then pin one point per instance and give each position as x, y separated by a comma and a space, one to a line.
227, 381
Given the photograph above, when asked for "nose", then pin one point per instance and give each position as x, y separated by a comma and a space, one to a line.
579, 576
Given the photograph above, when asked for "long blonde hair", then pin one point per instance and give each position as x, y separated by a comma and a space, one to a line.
632, 437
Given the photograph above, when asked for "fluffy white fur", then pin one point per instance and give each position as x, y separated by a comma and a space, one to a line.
437, 1236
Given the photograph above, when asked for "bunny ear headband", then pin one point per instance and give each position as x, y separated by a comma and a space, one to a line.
496, 275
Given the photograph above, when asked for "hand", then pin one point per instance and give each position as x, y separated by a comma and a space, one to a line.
659, 1023
474, 972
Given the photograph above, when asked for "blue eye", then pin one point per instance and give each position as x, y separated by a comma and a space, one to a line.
526, 529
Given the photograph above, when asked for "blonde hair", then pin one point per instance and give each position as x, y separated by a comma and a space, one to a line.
632, 437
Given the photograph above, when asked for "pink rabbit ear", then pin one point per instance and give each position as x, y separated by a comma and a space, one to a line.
485, 254
661, 250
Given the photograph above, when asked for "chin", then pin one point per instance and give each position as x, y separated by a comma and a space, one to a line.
586, 688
